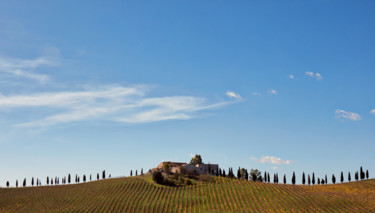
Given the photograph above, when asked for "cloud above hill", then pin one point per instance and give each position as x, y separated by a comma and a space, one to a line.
271, 160
23, 68
114, 103
317, 76
352, 116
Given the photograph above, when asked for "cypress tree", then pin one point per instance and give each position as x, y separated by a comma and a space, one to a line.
7, 184
224, 173
246, 175
313, 179
342, 177
367, 174
103, 174
349, 177
141, 171
47, 181
136, 172
323, 181
294, 178
84, 178
284, 179
17, 183
51, 181
303, 178
131, 173
90, 177
69, 178
32, 181
326, 180
318, 181
362, 174
356, 176
24, 182
268, 177
277, 178
308, 180
265, 176
333, 179
97, 176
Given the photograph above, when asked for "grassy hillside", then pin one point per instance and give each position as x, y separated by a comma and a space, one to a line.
224, 195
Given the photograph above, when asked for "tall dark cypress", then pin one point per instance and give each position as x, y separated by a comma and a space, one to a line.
131, 173
103, 174
97, 176
47, 180
356, 176
294, 178
24, 182
318, 181
342, 177
284, 179
362, 174
69, 178
333, 179
268, 177
239, 173
303, 178
308, 180
16, 183
313, 179
349, 177
326, 180
32, 181
265, 176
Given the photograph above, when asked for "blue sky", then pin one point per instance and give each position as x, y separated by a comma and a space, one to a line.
279, 86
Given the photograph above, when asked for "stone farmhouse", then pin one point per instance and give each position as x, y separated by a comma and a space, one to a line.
177, 167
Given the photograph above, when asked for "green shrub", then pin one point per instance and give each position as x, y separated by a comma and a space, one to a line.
157, 177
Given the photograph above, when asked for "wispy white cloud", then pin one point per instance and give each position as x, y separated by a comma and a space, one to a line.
347, 115
373, 112
272, 92
271, 160
256, 94
290, 76
231, 94
24, 67
317, 76
115, 103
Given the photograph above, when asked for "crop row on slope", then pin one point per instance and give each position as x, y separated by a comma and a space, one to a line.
223, 195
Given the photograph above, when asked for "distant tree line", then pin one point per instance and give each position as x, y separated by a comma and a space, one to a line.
57, 180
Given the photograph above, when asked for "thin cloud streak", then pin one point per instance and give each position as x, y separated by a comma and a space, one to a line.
116, 103
342, 114
23, 67
373, 112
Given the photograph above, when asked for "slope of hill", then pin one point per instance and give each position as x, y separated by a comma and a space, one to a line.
224, 195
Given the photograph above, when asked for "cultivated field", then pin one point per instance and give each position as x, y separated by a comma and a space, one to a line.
223, 195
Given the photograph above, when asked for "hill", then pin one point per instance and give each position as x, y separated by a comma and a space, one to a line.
136, 194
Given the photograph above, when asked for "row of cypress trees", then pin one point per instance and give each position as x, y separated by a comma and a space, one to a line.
56, 180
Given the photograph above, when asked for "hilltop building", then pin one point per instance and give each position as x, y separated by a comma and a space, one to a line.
177, 167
